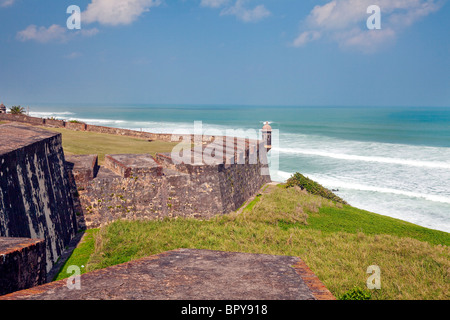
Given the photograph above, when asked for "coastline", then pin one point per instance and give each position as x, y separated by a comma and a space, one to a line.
417, 207
283, 221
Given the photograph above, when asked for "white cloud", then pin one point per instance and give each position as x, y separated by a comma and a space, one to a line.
117, 12
88, 32
247, 15
6, 3
54, 33
73, 55
343, 21
213, 3
238, 9
106, 12
43, 34
305, 37
367, 41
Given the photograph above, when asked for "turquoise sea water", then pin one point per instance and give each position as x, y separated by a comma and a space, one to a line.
393, 161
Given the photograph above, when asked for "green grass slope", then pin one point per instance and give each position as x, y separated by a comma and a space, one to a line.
338, 242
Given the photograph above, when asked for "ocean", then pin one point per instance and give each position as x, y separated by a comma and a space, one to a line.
394, 161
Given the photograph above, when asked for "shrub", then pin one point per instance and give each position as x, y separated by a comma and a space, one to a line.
356, 294
312, 187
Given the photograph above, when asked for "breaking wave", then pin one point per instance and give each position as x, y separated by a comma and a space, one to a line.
342, 156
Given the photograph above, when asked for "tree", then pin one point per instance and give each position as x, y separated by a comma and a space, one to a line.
17, 110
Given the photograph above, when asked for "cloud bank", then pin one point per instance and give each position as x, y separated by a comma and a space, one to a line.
125, 12
238, 9
344, 22
105, 12
54, 33
43, 34
117, 12
6, 3
213, 3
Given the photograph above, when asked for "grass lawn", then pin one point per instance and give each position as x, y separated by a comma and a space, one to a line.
83, 253
338, 242
82, 142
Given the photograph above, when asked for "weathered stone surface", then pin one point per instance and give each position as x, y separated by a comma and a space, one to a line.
80, 170
139, 186
83, 167
75, 126
21, 118
189, 274
132, 165
35, 199
16, 136
22, 264
54, 123
142, 187
205, 139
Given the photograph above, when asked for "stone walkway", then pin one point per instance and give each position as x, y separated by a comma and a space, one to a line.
191, 274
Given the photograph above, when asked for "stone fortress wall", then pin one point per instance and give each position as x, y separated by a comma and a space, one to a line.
84, 127
142, 187
43, 193
35, 199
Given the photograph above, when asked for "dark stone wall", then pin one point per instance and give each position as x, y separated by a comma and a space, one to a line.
35, 198
22, 264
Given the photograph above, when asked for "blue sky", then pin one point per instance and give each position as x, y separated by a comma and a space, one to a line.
250, 52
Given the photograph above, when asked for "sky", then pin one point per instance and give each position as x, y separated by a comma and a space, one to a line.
226, 52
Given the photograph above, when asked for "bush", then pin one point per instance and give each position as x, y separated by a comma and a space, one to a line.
312, 187
356, 294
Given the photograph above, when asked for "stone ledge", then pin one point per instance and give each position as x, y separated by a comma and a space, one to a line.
191, 274
22, 263
19, 136
127, 165
83, 167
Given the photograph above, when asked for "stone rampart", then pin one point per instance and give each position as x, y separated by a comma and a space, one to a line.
54, 123
228, 173
142, 187
35, 199
42, 192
